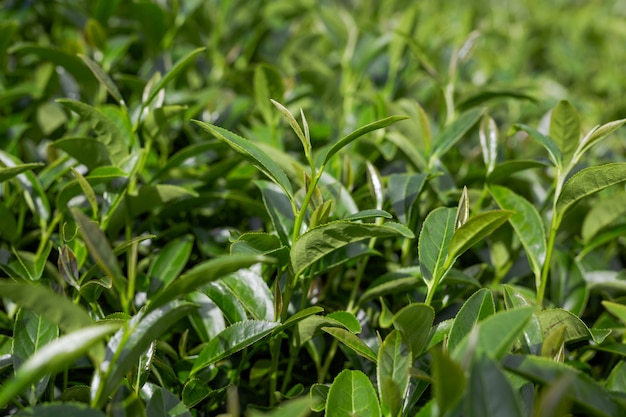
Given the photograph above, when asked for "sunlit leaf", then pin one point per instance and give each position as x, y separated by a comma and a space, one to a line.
352, 394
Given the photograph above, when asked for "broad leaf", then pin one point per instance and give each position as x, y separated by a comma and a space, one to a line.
169, 263
414, 322
552, 319
161, 402
478, 307
553, 149
565, 129
231, 340
490, 393
602, 214
404, 190
322, 240
248, 286
434, 239
527, 224
449, 381
54, 357
352, 394
589, 181
392, 373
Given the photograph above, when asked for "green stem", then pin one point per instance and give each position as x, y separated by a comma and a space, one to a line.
275, 354
305, 203
321, 377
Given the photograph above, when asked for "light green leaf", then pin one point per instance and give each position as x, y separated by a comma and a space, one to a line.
553, 149
589, 397
434, 239
89, 152
392, 373
129, 343
414, 322
169, 263
10, 172
404, 189
201, 275
617, 378
618, 310
565, 129
104, 79
106, 130
279, 209
88, 191
352, 394
597, 134
495, 334
473, 231
602, 214
64, 409
306, 143
490, 393
99, 249
588, 181
449, 381
258, 157
248, 286
231, 340
489, 142
478, 307
172, 73
322, 240
526, 222
352, 341
455, 132
462, 212
47, 303
346, 140
54, 357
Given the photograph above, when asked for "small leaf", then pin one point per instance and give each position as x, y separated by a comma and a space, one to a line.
347, 319
88, 191
259, 158
352, 341
434, 239
346, 140
231, 340
172, 73
368, 214
404, 189
352, 394
597, 134
455, 132
565, 129
553, 149
588, 181
527, 224
478, 307
53, 358
10, 172
169, 263
306, 143
462, 213
394, 361
322, 240
104, 78
414, 322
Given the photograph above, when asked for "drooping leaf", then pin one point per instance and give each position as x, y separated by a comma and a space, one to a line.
527, 224
565, 129
322, 240
414, 322
259, 158
449, 381
403, 191
54, 357
346, 140
348, 319
490, 393
130, 342
478, 307
434, 239
352, 341
231, 340
588, 181
550, 145
107, 131
352, 394
392, 372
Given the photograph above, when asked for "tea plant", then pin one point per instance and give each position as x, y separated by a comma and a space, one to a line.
202, 215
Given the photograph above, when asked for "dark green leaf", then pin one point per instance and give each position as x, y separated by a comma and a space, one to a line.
352, 341
279, 208
66, 409
414, 322
490, 393
248, 286
449, 381
172, 73
169, 263
477, 308
434, 239
348, 319
392, 375
404, 189
104, 79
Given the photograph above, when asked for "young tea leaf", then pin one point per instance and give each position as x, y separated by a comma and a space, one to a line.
462, 213
477, 308
172, 73
434, 239
392, 372
553, 149
104, 79
565, 129
596, 135
404, 189
455, 132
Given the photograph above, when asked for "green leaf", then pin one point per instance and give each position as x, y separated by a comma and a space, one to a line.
404, 189
319, 395
10, 172
596, 135
248, 286
201, 275
161, 402
298, 407
588, 181
602, 214
104, 79
475, 309
368, 214
589, 397
65, 409
87, 151
617, 378
414, 322
54, 357
347, 319
434, 239
553, 149
352, 394
352, 341
346, 140
258, 157
392, 373
565, 129
527, 224
107, 131
618, 310
504, 170
455, 132
171, 74
490, 393
449, 381
45, 302
322, 240
169, 263
88, 191
306, 143
231, 340
129, 343
279, 209
99, 249
31, 333
495, 334
473, 231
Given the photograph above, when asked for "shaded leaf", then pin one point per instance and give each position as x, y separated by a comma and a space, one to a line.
414, 322
504, 170
602, 214
404, 190
352, 341
73, 409
455, 132
490, 393
449, 381
104, 79
169, 263
392, 375
479, 306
